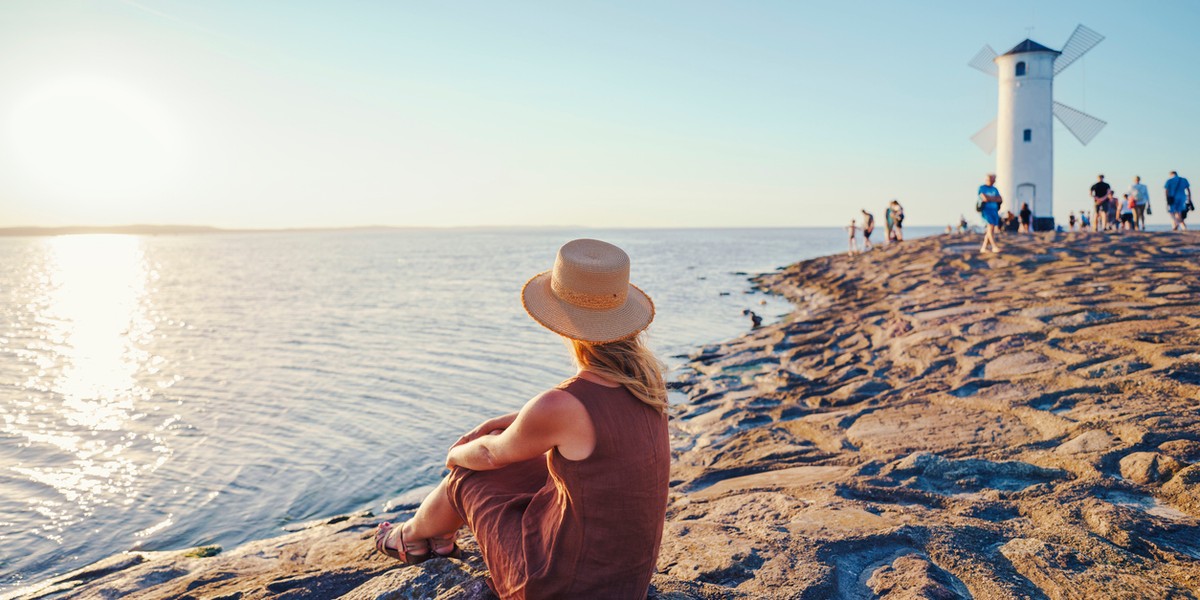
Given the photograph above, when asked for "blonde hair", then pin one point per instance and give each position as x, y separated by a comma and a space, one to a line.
629, 363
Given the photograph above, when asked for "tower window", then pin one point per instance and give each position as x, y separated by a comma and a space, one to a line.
1028, 135
1020, 68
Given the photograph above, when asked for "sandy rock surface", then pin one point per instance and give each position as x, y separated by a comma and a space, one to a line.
930, 423
1022, 425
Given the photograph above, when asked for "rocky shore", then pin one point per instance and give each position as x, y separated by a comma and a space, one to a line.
929, 423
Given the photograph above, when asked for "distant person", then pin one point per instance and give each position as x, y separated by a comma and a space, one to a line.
962, 224
1084, 222
868, 227
1099, 200
1179, 200
989, 199
755, 320
1026, 217
1071, 220
898, 221
853, 229
1128, 210
1113, 204
1010, 223
1141, 197
567, 497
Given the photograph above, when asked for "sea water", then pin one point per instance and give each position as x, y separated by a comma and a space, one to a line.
161, 392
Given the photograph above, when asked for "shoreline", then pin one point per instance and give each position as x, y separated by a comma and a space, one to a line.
143, 229
928, 422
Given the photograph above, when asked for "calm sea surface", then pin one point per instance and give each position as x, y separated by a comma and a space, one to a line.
160, 392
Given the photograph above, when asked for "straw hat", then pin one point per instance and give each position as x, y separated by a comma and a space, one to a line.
587, 295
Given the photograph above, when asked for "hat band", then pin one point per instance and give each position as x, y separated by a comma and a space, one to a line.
586, 300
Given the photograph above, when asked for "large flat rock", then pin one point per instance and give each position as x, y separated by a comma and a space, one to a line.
930, 423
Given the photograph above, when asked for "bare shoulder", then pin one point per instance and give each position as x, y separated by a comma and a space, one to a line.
554, 404
559, 419
563, 421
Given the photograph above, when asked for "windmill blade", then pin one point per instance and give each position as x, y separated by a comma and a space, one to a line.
985, 61
1082, 40
1081, 125
986, 138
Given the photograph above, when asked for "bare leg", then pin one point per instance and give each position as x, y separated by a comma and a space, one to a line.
432, 528
989, 233
434, 519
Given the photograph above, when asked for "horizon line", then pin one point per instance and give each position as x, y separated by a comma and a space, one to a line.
143, 229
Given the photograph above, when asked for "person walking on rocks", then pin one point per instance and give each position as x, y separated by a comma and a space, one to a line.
868, 227
1112, 204
989, 199
1179, 197
1100, 192
567, 497
1071, 220
897, 233
853, 229
1128, 212
1026, 217
1141, 197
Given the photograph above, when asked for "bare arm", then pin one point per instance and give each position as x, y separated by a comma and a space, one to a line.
493, 425
553, 419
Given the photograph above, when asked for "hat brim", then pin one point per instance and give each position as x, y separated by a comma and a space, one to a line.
586, 324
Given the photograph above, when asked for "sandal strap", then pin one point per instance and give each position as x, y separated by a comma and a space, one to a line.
455, 551
400, 552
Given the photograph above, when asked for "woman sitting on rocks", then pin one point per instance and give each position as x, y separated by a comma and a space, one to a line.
566, 497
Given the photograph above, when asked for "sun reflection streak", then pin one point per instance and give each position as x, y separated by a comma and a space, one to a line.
84, 393
98, 284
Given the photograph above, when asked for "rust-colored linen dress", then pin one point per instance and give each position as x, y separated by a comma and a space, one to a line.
551, 527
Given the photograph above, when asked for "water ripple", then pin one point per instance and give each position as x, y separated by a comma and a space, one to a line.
167, 391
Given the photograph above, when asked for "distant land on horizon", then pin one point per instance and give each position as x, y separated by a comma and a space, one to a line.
205, 229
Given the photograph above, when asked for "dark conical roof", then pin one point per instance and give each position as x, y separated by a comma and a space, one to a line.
1030, 46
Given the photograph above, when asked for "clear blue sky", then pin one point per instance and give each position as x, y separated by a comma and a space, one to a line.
661, 114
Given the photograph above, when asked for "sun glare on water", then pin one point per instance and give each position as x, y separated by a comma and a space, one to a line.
96, 301
94, 138
84, 388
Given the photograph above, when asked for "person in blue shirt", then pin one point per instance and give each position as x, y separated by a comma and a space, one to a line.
990, 200
1179, 196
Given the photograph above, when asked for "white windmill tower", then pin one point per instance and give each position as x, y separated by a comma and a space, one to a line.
1022, 133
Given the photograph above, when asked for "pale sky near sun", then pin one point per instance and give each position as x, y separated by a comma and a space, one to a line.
264, 114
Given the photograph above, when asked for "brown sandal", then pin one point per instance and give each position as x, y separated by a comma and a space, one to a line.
400, 553
455, 552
